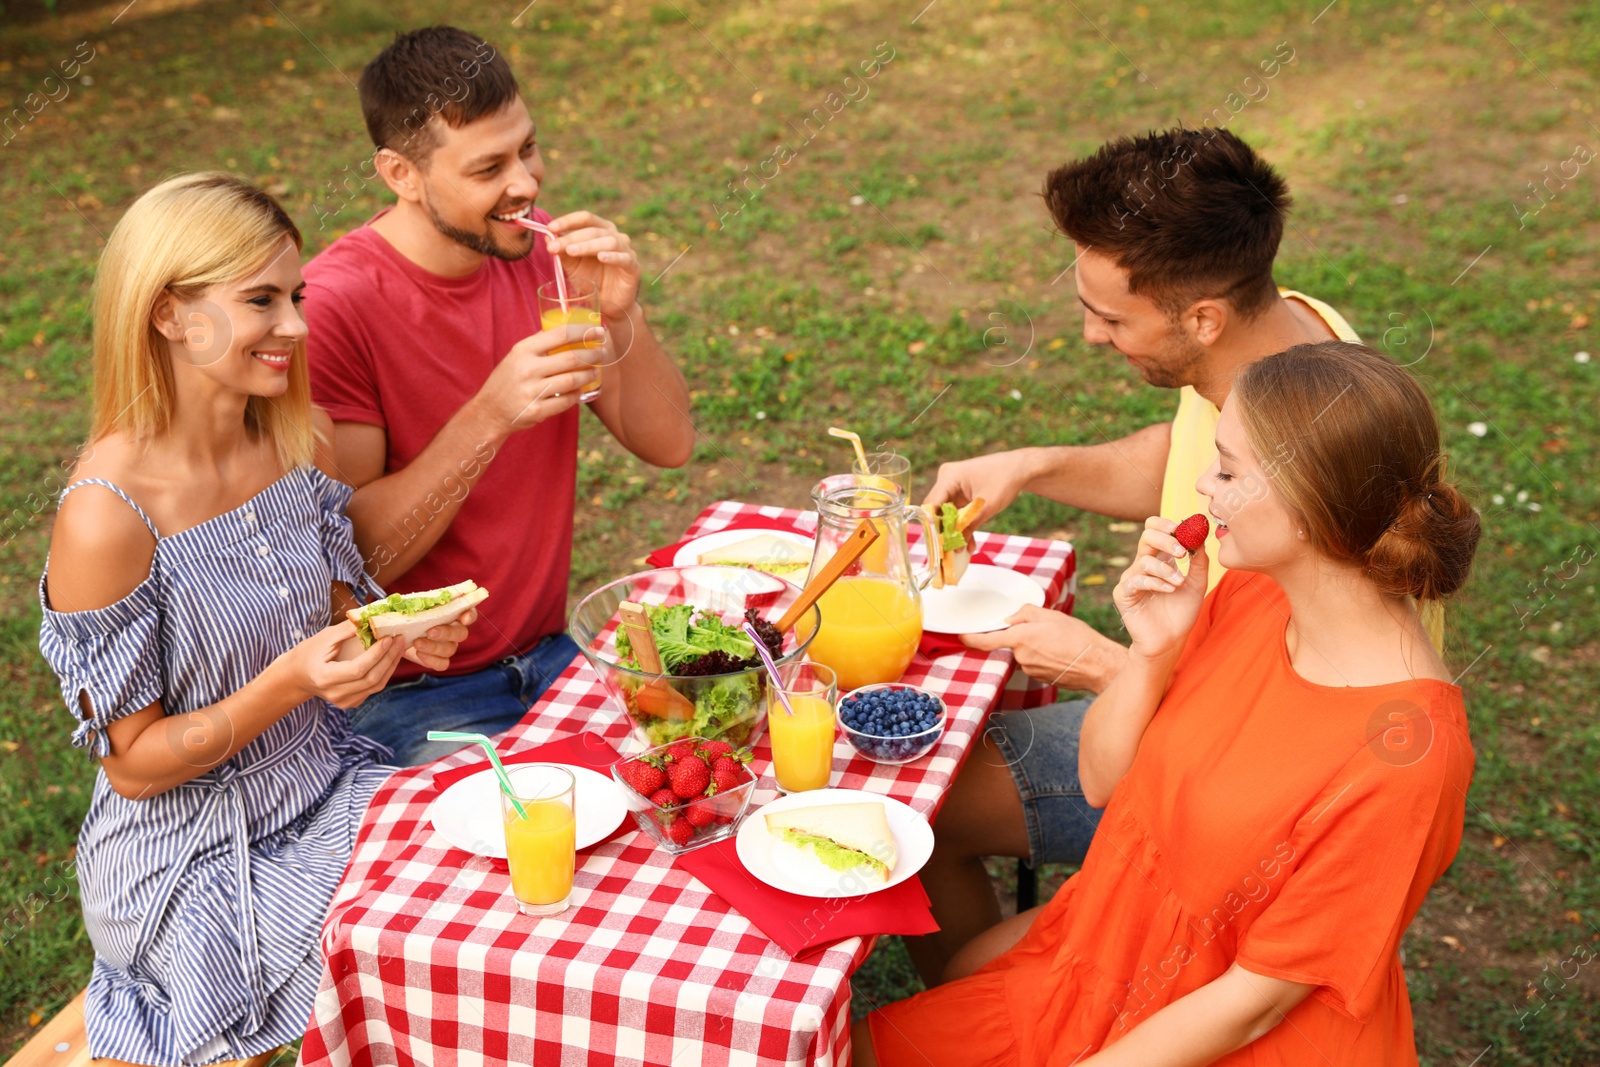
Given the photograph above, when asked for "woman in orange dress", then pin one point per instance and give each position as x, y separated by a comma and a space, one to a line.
1284, 764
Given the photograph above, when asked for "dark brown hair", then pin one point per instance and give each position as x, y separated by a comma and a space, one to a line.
439, 70
1189, 214
1358, 461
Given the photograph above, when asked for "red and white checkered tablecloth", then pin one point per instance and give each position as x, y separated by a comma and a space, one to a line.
428, 960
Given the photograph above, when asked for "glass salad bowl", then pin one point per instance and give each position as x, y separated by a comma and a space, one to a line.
729, 704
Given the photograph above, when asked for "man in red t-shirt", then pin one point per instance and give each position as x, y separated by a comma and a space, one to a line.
453, 417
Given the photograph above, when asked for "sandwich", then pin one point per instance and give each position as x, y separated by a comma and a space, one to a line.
845, 837
777, 556
954, 555
410, 615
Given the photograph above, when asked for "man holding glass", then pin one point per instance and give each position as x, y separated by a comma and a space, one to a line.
455, 414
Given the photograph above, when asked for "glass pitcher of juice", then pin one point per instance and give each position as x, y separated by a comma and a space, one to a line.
872, 616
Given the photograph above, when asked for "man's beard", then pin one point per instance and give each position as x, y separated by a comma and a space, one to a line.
482, 243
1179, 360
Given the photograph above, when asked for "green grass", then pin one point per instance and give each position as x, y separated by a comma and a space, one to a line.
1407, 132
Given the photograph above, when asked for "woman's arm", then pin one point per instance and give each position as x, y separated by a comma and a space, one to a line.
1116, 721
1218, 1018
1159, 606
152, 752
100, 552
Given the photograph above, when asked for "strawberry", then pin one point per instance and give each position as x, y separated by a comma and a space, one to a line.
712, 749
680, 749
689, 776
664, 798
680, 832
1191, 532
644, 775
726, 775
701, 815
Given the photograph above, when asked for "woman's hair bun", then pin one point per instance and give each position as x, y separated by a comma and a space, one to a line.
1358, 461
1427, 550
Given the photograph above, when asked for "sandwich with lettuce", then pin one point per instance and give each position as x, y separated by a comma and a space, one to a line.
411, 615
851, 838
954, 554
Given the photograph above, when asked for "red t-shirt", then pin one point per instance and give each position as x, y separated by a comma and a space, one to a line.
397, 346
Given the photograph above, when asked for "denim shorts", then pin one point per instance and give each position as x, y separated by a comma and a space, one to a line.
488, 701
1040, 746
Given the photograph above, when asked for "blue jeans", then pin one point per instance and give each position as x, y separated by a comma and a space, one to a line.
488, 701
1040, 746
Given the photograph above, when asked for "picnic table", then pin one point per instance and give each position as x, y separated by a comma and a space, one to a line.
427, 959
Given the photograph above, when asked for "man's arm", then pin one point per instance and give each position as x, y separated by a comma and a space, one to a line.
644, 401
397, 518
1121, 479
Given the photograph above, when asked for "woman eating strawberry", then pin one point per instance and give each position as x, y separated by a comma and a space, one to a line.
1283, 763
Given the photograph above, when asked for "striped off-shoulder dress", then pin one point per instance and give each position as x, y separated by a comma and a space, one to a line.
204, 903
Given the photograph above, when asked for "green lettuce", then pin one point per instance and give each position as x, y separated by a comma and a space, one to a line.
682, 636
950, 538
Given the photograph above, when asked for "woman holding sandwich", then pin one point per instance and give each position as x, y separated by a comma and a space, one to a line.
194, 565
1283, 763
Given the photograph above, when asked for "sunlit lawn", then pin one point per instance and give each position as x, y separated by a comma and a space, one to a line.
898, 275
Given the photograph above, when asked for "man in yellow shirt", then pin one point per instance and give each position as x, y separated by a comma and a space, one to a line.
1174, 236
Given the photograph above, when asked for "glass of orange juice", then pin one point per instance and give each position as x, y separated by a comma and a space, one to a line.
581, 308
889, 467
541, 840
802, 743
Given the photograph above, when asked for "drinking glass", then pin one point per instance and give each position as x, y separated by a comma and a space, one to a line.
541, 845
802, 743
888, 465
582, 308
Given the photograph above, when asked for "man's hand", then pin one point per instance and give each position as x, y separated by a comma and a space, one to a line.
1055, 648
998, 478
531, 385
599, 253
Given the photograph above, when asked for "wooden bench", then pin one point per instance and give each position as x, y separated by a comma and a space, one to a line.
61, 1042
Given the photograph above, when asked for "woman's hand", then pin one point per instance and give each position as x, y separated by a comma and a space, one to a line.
1159, 604
432, 651
314, 666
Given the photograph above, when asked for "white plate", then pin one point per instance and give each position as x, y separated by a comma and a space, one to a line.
468, 813
981, 603
689, 554
796, 870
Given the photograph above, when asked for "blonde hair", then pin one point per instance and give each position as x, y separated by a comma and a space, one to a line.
182, 237
1360, 465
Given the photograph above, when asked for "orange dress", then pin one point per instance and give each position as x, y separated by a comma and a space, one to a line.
1289, 827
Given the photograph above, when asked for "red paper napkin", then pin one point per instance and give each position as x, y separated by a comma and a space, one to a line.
662, 557
579, 750
801, 925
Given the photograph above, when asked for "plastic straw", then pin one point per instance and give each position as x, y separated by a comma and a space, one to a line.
561, 281
854, 439
772, 668
494, 758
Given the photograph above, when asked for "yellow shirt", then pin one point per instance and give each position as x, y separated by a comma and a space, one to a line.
1194, 445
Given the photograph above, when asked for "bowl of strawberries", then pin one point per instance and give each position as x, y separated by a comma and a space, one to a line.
689, 793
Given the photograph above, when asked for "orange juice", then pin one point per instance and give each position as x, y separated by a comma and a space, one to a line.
870, 630
575, 315
802, 743
541, 851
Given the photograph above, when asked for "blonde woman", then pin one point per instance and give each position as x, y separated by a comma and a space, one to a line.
1283, 763
196, 560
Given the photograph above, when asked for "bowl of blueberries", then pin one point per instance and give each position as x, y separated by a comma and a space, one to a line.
892, 722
